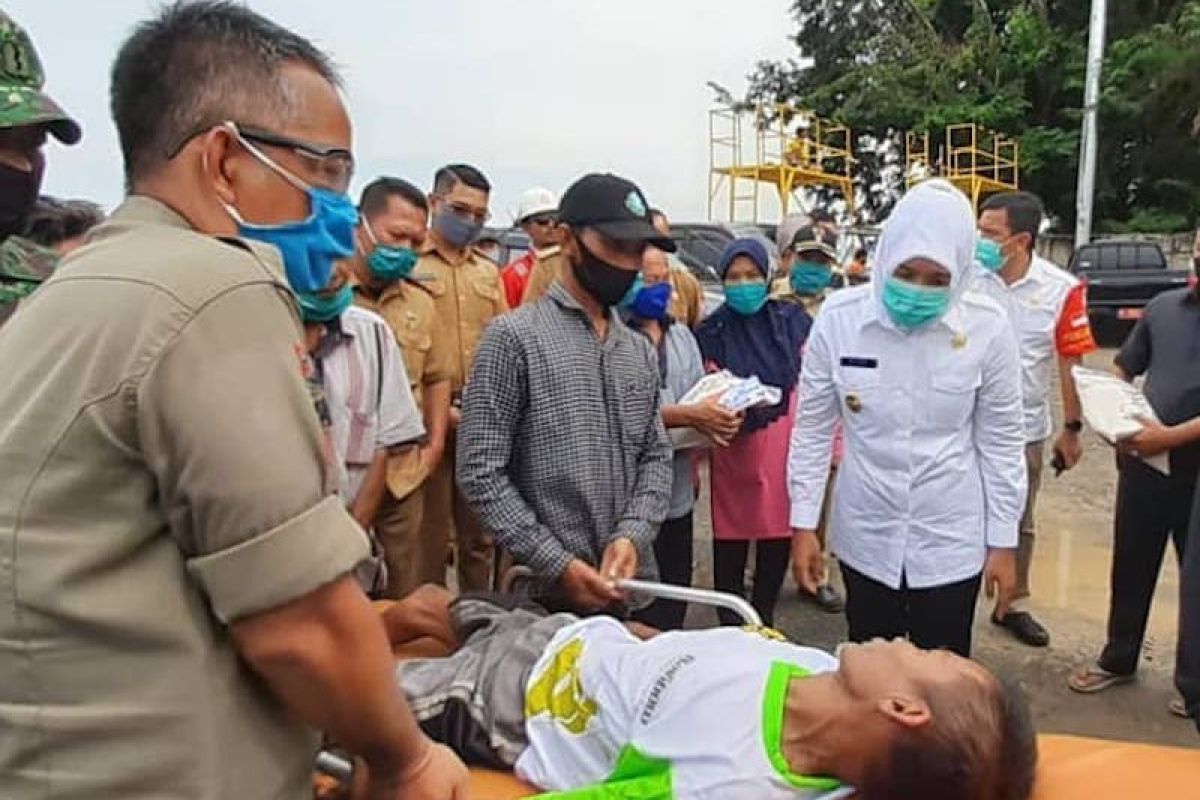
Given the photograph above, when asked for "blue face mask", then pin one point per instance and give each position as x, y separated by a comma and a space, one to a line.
457, 231
309, 246
651, 302
911, 306
746, 299
321, 307
989, 255
810, 277
388, 263
631, 295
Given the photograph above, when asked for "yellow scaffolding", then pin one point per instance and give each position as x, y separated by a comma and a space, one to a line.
774, 145
978, 161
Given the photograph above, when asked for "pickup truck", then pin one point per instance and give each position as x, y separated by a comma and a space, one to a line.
1122, 277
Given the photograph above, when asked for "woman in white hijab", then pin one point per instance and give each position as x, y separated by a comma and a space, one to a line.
926, 380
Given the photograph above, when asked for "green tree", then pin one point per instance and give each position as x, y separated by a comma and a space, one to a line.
1017, 67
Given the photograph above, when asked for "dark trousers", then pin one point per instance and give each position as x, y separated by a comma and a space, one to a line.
1151, 507
1187, 653
673, 552
939, 617
771, 558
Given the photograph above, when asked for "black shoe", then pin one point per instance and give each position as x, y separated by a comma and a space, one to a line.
826, 598
1022, 625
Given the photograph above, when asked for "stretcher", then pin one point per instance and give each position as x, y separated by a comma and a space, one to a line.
1069, 767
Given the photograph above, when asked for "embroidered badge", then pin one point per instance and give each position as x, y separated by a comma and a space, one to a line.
635, 204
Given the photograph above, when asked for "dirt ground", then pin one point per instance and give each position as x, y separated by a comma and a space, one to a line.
1070, 597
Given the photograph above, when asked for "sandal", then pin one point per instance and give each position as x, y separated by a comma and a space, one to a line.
1094, 678
1177, 708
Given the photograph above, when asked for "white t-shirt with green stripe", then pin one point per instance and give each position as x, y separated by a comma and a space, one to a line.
686, 716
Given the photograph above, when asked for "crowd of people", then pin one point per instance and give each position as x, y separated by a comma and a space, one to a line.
243, 405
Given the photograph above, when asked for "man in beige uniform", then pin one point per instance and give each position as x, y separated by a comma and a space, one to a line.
394, 218
467, 294
177, 617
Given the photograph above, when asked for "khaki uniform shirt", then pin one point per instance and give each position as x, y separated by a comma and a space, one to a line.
409, 311
550, 264
467, 294
163, 475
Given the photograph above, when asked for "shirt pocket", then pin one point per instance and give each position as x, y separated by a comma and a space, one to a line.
488, 294
860, 392
952, 399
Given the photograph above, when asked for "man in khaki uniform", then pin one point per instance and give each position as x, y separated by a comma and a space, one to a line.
394, 217
179, 619
467, 294
546, 269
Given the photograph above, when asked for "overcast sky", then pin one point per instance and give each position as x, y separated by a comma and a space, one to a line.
533, 92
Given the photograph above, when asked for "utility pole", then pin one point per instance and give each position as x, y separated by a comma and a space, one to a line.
1085, 191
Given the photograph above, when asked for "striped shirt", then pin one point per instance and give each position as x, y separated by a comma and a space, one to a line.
561, 448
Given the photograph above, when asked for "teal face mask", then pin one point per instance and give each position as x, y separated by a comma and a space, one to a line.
388, 263
810, 277
911, 306
315, 307
631, 295
746, 299
989, 254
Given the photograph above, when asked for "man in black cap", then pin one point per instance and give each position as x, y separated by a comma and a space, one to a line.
561, 450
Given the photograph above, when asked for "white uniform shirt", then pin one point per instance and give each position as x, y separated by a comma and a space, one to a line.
367, 390
702, 710
1046, 325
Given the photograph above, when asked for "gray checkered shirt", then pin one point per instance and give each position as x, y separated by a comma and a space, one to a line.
561, 447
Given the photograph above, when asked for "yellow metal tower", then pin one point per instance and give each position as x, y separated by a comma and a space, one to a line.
778, 146
978, 161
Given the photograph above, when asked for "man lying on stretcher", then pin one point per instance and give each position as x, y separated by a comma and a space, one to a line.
726, 713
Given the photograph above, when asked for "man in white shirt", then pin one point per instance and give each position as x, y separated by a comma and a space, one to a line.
1048, 311
925, 379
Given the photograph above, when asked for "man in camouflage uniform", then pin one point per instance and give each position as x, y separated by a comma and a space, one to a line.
27, 115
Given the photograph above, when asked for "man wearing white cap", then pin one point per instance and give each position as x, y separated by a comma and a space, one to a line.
538, 217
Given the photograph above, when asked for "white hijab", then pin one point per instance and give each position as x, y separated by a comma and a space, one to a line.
933, 220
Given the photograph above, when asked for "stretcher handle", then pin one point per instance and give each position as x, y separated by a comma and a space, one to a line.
336, 767
688, 594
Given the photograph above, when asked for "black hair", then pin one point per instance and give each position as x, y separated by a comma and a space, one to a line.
54, 221
449, 176
195, 65
860, 253
375, 195
987, 753
1023, 209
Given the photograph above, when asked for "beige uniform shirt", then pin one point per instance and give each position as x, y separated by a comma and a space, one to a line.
550, 264
428, 359
467, 294
163, 474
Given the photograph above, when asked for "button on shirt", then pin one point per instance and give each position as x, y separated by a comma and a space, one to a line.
562, 448
934, 470
1048, 312
367, 391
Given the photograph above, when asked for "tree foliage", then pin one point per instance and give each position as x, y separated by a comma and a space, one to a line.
1017, 67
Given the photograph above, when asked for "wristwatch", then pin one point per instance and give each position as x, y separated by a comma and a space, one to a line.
1073, 427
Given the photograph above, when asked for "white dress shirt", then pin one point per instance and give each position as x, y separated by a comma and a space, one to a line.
934, 471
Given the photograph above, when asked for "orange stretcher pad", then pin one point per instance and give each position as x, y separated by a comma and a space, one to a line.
1070, 768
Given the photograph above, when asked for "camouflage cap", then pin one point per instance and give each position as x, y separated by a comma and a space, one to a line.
22, 101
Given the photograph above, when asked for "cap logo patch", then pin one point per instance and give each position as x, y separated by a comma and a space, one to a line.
633, 201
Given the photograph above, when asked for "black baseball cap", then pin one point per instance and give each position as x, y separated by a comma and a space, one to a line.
613, 206
814, 238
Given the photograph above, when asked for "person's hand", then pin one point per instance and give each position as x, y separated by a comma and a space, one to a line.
586, 588
1000, 577
715, 420
455, 417
1069, 448
438, 775
808, 562
620, 559
1152, 439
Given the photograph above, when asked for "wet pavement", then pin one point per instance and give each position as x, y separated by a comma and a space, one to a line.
1070, 597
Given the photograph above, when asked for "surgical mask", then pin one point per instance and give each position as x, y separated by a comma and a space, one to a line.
605, 282
457, 231
989, 254
388, 263
746, 299
18, 194
651, 302
911, 306
309, 246
322, 306
810, 277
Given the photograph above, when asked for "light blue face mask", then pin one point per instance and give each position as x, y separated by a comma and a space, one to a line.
989, 255
321, 307
911, 306
309, 246
746, 299
388, 263
810, 277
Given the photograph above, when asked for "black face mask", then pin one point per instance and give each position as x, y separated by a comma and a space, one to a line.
606, 283
18, 194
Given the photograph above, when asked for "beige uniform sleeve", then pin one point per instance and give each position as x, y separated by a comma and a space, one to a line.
544, 273
228, 428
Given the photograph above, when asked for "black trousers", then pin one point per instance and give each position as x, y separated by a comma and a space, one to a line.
1187, 653
673, 552
1151, 507
939, 617
771, 558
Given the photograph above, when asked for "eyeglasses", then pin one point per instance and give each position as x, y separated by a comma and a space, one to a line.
467, 212
334, 165
543, 220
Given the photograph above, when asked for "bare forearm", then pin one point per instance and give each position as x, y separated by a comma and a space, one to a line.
678, 416
436, 404
370, 496
1072, 410
326, 658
